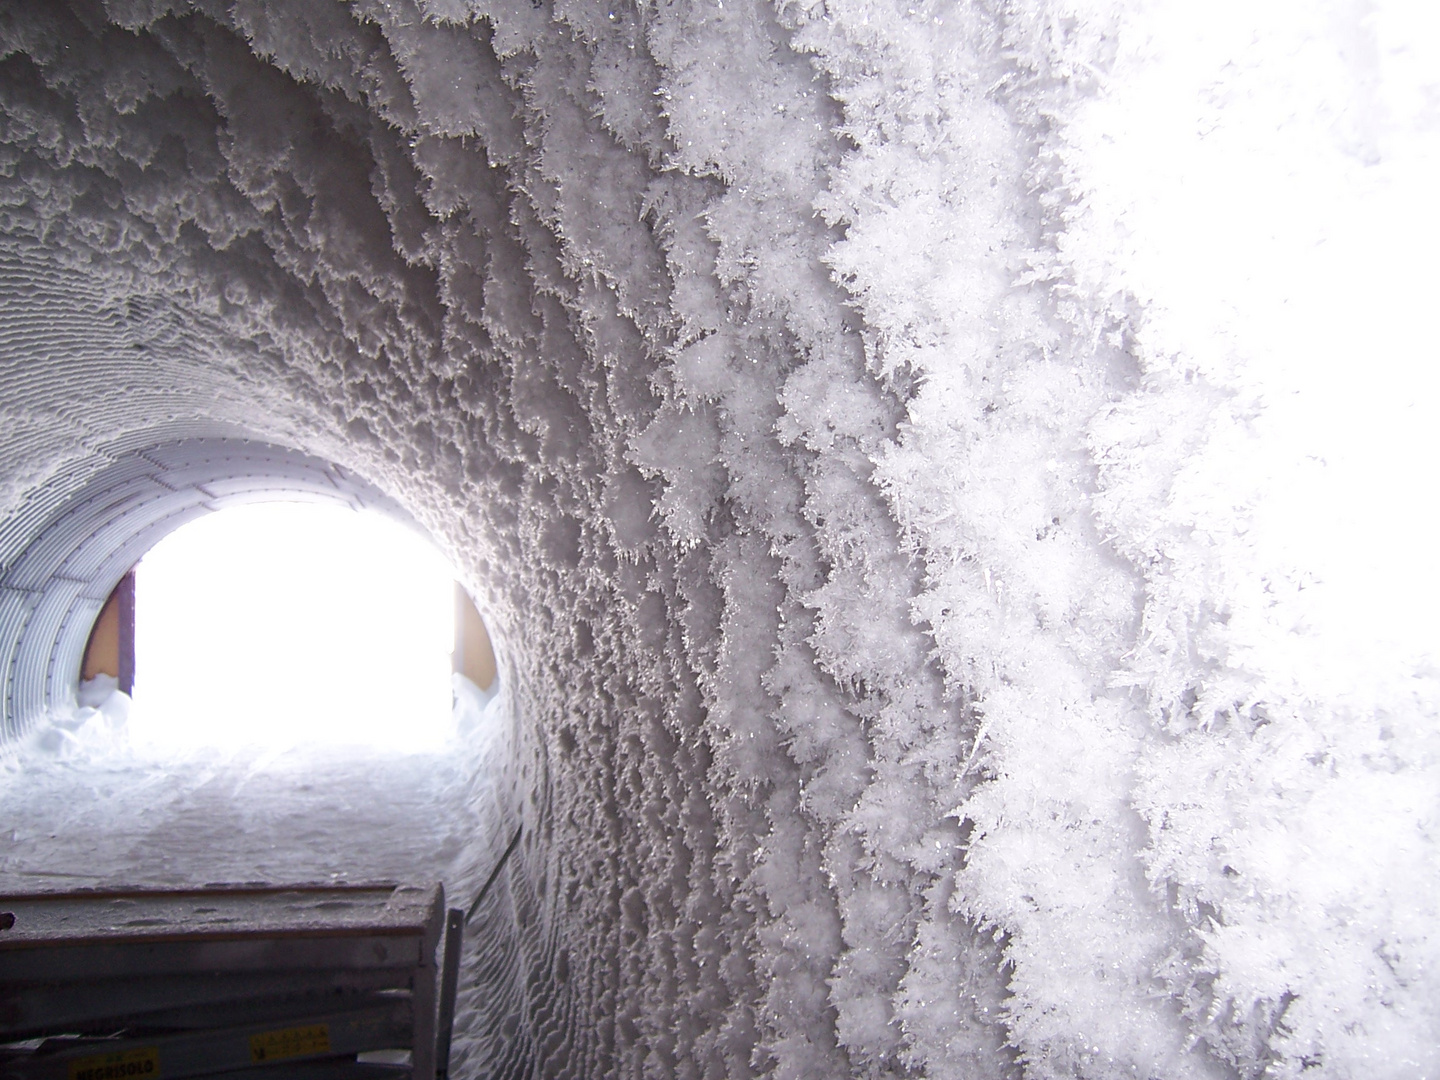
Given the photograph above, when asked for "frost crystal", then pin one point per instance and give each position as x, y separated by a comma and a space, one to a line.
950, 482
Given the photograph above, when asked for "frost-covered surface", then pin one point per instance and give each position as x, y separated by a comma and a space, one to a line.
949, 483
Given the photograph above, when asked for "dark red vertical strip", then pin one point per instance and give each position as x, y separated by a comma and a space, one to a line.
125, 595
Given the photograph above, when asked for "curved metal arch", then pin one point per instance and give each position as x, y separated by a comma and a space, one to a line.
71, 546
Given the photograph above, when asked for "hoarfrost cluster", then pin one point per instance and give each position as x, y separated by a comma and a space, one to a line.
949, 481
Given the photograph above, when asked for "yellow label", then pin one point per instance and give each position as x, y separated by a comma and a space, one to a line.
290, 1043
141, 1064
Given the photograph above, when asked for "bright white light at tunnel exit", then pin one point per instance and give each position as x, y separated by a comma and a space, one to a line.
281, 624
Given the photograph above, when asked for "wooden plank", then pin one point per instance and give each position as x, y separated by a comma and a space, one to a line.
255, 953
45, 920
424, 989
95, 1005
449, 979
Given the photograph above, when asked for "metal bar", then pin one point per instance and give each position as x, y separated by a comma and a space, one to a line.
125, 595
514, 842
449, 977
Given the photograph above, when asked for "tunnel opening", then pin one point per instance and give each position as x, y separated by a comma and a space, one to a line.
274, 601
291, 622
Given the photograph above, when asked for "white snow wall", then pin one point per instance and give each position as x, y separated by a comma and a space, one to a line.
875, 434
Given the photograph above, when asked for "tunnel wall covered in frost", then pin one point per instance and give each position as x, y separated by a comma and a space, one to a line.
875, 435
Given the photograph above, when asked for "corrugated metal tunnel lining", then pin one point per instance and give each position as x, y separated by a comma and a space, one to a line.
177, 335
54, 581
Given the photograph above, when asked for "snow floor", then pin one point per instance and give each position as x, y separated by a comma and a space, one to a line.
85, 807
305, 815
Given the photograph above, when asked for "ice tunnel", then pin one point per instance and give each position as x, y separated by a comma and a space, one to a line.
913, 460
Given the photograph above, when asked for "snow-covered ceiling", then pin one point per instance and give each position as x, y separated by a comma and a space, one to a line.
875, 434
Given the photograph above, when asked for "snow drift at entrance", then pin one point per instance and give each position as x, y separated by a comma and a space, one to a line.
947, 480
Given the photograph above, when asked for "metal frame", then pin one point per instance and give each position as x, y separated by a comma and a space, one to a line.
259, 982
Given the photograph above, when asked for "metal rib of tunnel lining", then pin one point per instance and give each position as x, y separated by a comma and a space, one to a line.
65, 550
